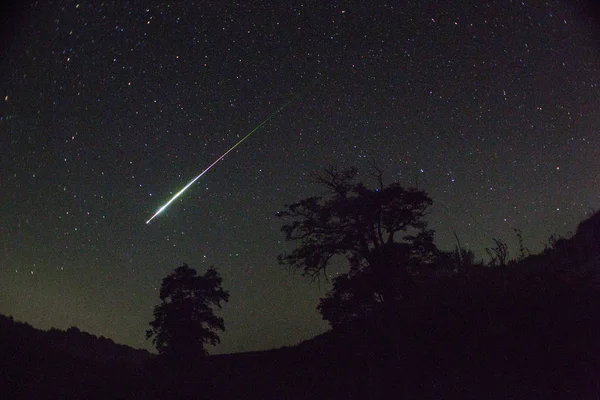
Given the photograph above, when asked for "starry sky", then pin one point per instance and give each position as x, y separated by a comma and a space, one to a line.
109, 108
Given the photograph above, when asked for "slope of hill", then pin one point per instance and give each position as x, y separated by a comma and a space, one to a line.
71, 364
529, 330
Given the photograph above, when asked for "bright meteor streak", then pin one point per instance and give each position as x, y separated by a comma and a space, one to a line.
214, 163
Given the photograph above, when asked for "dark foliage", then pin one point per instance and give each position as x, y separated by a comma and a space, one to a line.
185, 321
381, 232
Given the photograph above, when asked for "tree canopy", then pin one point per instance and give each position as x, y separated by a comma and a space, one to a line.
381, 232
185, 320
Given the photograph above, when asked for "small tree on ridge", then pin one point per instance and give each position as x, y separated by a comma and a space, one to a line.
185, 321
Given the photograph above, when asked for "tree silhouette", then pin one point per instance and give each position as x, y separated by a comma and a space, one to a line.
185, 322
499, 254
381, 232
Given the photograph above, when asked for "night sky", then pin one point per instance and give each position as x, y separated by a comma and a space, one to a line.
108, 109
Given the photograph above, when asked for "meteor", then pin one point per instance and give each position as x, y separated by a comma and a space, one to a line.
214, 163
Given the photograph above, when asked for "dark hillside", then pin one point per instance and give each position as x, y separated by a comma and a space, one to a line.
529, 330
37, 364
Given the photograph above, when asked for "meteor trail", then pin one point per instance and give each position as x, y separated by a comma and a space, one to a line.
214, 163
